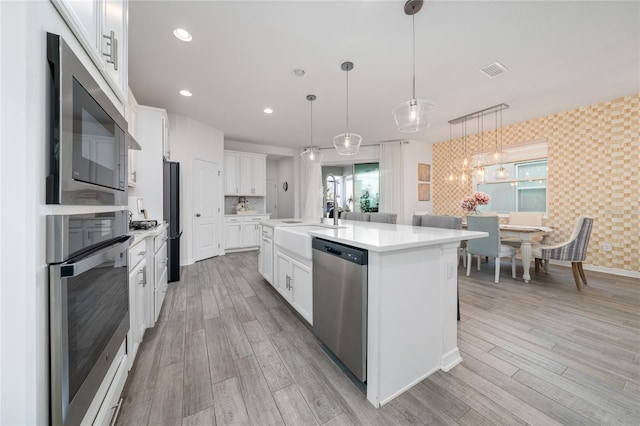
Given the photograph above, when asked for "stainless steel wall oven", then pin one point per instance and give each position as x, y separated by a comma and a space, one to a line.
89, 306
87, 155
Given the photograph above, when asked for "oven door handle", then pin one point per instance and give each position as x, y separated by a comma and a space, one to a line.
75, 268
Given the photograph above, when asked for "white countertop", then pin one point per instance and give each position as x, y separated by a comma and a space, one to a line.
382, 237
141, 234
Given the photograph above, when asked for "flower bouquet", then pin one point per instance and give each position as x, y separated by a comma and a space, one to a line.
470, 204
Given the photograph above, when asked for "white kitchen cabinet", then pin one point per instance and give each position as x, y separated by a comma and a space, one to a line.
139, 288
231, 173
245, 173
233, 233
150, 129
161, 261
294, 282
243, 232
101, 27
265, 258
166, 149
132, 169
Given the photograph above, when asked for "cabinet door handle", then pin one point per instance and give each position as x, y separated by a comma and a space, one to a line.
142, 253
112, 43
143, 281
133, 176
197, 214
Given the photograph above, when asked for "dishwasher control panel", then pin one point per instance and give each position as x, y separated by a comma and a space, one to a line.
348, 253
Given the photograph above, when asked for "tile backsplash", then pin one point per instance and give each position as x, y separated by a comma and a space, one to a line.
256, 203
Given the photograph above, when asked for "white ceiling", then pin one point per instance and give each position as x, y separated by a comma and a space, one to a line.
560, 55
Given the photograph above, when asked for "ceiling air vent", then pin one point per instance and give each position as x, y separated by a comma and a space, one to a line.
493, 70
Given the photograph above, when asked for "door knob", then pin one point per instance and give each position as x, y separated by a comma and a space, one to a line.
197, 214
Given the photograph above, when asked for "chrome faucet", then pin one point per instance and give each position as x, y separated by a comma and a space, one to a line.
336, 212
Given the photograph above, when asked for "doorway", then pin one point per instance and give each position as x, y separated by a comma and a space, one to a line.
271, 199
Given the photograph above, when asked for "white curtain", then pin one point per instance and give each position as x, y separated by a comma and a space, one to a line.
312, 197
391, 179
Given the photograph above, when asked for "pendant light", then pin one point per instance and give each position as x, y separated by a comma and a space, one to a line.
465, 162
452, 176
500, 173
347, 143
414, 114
481, 172
311, 154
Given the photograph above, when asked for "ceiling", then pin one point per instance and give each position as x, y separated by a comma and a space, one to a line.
560, 55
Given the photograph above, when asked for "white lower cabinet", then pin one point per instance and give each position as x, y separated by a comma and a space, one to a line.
294, 282
161, 282
139, 291
242, 232
265, 259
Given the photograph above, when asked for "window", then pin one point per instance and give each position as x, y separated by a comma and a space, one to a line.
366, 187
524, 191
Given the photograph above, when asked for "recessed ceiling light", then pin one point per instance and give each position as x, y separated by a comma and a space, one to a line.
182, 34
186, 93
268, 111
299, 72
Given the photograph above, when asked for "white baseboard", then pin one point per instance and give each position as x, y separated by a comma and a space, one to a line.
450, 360
604, 269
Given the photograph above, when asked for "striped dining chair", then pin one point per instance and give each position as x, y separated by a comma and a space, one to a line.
573, 250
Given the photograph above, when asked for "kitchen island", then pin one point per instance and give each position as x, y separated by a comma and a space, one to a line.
412, 300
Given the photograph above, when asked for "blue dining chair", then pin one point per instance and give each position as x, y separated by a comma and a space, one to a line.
489, 246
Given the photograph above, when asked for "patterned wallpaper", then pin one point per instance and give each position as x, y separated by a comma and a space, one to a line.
594, 163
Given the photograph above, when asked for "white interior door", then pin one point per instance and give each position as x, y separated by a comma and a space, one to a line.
271, 199
206, 208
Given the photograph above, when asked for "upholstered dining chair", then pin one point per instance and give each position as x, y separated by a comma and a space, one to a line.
439, 221
526, 219
573, 250
362, 217
383, 217
489, 246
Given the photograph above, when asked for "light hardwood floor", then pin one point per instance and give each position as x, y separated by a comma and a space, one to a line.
227, 350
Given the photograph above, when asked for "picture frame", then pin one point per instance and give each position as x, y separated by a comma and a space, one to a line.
424, 172
424, 192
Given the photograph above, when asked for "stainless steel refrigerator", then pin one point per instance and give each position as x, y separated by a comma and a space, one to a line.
171, 212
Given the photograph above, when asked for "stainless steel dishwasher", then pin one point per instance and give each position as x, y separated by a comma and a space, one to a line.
340, 302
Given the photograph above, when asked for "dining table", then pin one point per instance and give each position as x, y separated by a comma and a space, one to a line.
526, 234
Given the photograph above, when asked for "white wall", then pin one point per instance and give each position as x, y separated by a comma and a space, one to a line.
287, 199
413, 153
24, 373
190, 140
272, 169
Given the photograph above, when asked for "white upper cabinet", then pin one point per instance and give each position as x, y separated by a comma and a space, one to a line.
231, 173
101, 27
245, 173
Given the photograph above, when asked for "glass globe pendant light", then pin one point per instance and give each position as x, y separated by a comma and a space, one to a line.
347, 143
414, 114
501, 172
311, 154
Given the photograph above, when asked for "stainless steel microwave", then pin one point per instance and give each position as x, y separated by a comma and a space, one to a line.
87, 153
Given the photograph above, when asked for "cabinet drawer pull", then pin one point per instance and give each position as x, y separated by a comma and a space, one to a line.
142, 253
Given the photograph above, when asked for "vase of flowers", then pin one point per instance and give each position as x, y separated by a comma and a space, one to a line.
470, 204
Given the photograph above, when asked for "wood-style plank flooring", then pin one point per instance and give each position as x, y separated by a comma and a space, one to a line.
227, 350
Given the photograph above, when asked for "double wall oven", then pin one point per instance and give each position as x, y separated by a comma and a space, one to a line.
89, 306
87, 253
